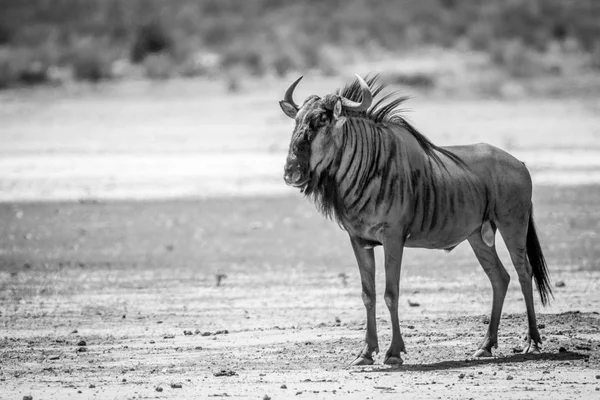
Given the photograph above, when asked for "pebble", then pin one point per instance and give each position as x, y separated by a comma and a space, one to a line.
28, 397
224, 372
509, 378
158, 389
82, 343
461, 375
176, 385
562, 350
284, 386
92, 386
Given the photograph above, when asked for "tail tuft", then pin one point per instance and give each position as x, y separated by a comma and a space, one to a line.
538, 263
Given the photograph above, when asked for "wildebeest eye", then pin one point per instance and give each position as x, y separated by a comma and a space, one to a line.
320, 121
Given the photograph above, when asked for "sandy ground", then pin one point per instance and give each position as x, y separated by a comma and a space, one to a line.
137, 280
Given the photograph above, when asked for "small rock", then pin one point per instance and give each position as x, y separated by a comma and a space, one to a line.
82, 343
541, 326
74, 331
92, 386
81, 349
28, 397
123, 380
158, 389
509, 378
562, 350
176, 385
54, 358
284, 386
410, 326
188, 333
222, 332
224, 372
266, 397
152, 342
169, 337
79, 391
206, 334
560, 284
413, 303
461, 375
486, 320
597, 376
219, 278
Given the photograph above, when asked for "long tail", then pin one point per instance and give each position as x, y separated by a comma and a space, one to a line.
538, 263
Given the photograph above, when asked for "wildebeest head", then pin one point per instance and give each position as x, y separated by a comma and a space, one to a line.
316, 137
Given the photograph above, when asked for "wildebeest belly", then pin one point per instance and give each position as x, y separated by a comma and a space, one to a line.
442, 239
448, 213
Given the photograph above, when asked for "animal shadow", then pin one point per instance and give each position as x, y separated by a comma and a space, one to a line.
515, 358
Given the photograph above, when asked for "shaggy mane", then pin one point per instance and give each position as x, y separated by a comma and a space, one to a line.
386, 109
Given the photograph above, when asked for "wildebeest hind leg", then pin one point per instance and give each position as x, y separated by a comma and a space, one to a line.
515, 243
366, 264
499, 278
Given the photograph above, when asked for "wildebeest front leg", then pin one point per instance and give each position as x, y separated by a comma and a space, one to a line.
366, 265
393, 249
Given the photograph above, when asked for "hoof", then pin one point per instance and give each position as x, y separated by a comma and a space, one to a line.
482, 353
361, 361
531, 348
393, 360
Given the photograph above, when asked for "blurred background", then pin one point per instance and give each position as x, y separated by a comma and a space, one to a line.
160, 98
493, 47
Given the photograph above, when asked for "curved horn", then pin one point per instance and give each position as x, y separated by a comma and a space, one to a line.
367, 98
288, 98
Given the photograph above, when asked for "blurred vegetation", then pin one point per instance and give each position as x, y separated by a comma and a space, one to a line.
55, 40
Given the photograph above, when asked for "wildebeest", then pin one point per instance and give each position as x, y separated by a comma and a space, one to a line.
386, 184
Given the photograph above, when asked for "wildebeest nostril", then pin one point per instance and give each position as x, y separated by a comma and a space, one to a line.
296, 176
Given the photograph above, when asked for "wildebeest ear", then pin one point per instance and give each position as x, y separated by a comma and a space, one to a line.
337, 109
288, 109
338, 130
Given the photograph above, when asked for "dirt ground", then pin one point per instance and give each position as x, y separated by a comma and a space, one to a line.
220, 282
137, 282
